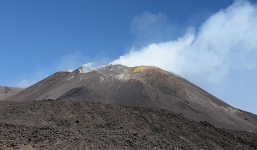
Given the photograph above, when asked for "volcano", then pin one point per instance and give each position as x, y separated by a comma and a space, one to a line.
142, 86
6, 92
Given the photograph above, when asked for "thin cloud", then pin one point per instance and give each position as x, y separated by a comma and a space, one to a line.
148, 28
71, 61
29, 79
68, 62
25, 83
225, 41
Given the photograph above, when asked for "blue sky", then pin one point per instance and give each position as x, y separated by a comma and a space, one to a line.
210, 43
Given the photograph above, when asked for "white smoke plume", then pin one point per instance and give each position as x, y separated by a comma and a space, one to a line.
225, 41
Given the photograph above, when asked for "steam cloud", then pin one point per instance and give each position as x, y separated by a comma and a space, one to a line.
225, 41
219, 56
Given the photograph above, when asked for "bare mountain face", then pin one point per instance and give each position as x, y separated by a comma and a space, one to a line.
6, 92
142, 86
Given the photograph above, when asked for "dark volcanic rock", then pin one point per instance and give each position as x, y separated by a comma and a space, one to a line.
54, 124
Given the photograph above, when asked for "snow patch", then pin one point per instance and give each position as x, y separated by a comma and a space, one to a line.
101, 79
122, 77
70, 77
230, 109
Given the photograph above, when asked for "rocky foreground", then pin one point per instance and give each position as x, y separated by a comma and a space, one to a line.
55, 125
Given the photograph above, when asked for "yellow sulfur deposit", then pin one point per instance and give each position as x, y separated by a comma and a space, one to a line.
138, 69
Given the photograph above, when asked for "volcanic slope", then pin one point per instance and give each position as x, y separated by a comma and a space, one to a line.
6, 92
142, 86
92, 125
